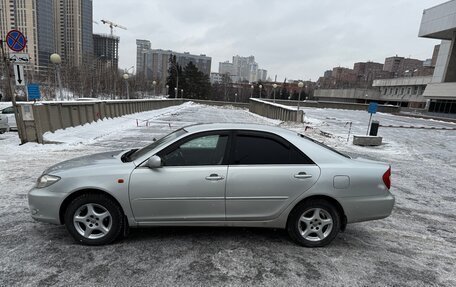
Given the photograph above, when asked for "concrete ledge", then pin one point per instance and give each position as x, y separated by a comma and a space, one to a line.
367, 140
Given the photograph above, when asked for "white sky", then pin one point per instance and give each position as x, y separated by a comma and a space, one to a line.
291, 38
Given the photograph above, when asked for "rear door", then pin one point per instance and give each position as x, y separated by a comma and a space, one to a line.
265, 175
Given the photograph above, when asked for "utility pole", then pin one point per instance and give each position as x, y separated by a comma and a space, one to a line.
10, 89
5, 61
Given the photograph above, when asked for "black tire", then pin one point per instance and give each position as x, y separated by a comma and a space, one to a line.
100, 204
327, 211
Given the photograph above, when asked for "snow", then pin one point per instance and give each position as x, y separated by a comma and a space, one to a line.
415, 246
5, 105
91, 132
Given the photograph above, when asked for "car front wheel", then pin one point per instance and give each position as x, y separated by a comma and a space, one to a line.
94, 219
314, 223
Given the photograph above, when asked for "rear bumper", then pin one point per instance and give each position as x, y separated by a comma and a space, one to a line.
359, 209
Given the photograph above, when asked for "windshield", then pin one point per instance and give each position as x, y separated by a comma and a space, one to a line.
323, 145
168, 138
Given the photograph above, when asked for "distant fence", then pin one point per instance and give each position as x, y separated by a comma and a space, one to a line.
339, 105
35, 120
275, 111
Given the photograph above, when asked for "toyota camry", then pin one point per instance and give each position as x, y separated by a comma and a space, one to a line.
215, 175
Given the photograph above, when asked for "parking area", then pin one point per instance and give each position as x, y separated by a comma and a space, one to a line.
415, 246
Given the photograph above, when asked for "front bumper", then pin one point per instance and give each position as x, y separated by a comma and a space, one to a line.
45, 204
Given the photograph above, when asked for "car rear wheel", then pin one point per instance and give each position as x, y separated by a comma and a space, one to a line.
314, 223
94, 219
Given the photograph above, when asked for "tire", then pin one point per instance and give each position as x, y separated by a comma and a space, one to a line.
94, 219
314, 223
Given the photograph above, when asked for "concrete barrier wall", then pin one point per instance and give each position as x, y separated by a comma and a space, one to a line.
219, 103
339, 105
275, 111
52, 116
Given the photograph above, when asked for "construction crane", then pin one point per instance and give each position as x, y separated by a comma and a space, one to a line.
112, 25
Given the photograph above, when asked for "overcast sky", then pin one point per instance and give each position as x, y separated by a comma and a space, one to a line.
293, 39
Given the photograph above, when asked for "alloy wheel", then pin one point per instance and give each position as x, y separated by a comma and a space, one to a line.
315, 224
93, 221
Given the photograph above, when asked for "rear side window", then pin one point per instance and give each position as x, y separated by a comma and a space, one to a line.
253, 149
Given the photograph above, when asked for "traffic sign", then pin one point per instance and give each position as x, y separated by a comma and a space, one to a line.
33, 92
19, 58
372, 109
16, 40
19, 75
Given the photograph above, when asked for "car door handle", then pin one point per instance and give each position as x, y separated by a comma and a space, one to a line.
302, 175
214, 176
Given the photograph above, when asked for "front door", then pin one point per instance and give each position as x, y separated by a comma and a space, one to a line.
190, 186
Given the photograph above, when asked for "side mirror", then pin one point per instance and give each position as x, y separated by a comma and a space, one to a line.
154, 162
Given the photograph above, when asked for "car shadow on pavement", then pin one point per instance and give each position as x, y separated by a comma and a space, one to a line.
209, 234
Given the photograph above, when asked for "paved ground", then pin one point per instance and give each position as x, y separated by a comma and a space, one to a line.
416, 246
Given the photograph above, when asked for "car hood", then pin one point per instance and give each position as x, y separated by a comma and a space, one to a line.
106, 158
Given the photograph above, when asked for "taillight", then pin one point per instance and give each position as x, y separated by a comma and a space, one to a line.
387, 178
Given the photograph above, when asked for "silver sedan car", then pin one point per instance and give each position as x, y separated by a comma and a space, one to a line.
215, 175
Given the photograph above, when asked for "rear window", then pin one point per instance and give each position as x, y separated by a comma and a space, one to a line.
323, 145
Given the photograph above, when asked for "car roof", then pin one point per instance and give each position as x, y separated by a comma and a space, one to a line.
236, 126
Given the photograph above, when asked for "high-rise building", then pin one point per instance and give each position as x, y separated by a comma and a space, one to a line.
226, 68
262, 75
45, 32
243, 69
143, 47
73, 30
106, 50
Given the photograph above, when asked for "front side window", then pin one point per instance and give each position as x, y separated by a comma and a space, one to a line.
203, 150
252, 149
162, 141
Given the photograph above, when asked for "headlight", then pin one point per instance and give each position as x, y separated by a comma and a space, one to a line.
46, 180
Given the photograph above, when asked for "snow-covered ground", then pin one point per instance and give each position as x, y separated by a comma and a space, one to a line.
415, 246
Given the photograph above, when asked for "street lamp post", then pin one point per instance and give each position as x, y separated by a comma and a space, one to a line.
275, 87
126, 76
300, 85
154, 83
235, 97
251, 92
182, 93
175, 92
167, 90
57, 60
261, 87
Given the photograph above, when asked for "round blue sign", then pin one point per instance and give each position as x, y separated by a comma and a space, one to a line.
16, 40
